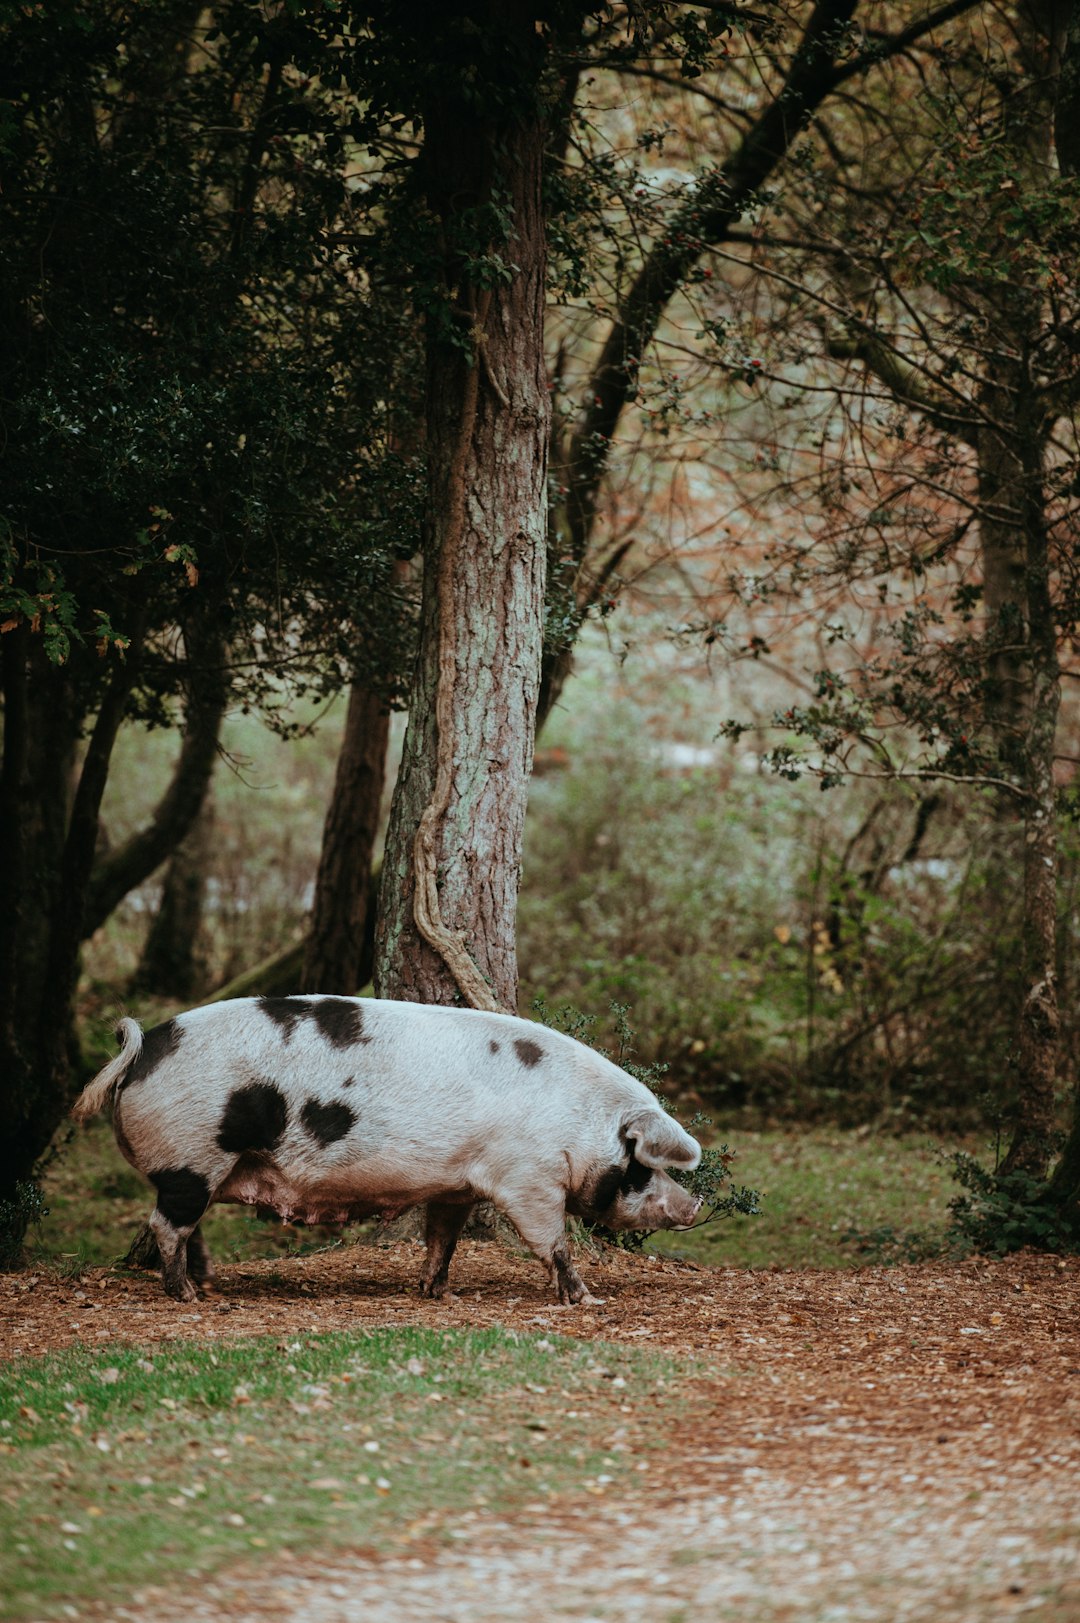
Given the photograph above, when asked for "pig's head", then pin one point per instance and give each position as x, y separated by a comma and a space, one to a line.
636, 1192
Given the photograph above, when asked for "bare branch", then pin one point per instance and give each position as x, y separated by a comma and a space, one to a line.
904, 380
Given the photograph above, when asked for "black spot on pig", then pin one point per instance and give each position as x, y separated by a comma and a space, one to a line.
529, 1053
255, 1118
158, 1044
493, 1045
183, 1195
603, 1188
285, 1012
635, 1177
595, 1201
347, 1081
340, 1021
326, 1122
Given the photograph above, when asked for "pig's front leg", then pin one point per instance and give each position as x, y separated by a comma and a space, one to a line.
540, 1219
442, 1228
569, 1285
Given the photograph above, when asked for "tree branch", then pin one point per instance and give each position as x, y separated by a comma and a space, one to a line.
78, 857
904, 380
115, 875
895, 44
705, 218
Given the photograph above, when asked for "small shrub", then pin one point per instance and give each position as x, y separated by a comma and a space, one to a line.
1006, 1211
711, 1181
25, 1208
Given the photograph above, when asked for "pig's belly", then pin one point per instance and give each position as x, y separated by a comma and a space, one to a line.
345, 1196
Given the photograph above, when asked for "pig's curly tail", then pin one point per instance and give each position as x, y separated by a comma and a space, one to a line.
95, 1095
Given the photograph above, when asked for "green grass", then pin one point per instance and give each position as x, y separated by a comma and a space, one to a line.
133, 1465
816, 1185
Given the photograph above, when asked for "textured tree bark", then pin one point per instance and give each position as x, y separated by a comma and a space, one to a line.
338, 956
1024, 679
1002, 545
1008, 691
459, 806
1032, 1138
1065, 1184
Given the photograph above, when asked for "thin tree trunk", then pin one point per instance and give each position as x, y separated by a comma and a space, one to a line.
207, 694
170, 964
1032, 1139
451, 870
1026, 678
1065, 1184
339, 946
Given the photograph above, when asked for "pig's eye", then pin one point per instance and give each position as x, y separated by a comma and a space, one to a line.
635, 1177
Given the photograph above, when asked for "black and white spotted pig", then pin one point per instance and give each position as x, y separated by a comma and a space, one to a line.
329, 1109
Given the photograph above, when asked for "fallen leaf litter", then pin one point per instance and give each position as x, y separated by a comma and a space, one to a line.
873, 1445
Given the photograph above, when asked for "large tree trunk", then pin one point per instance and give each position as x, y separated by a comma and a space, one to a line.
49, 837
40, 734
339, 948
452, 864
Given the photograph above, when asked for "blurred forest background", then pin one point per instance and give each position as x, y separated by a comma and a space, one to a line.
804, 786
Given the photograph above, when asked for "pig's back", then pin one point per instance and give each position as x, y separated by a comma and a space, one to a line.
362, 1079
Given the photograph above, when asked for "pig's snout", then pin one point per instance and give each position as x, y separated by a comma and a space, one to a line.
680, 1210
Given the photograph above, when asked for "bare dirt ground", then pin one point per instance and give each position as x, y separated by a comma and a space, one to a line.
907, 1447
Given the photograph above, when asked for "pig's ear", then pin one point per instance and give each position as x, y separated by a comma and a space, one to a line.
660, 1142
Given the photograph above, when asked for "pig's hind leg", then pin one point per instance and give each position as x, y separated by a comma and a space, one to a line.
144, 1253
200, 1265
183, 1196
442, 1229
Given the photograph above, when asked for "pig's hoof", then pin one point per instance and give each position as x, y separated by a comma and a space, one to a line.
183, 1291
581, 1299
